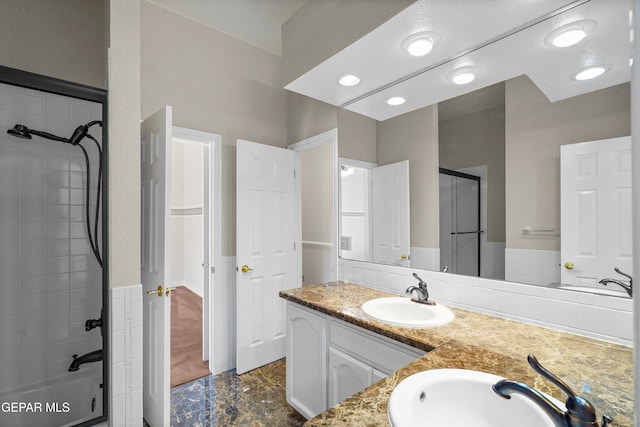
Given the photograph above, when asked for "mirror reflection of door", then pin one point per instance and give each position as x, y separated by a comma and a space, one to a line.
374, 212
459, 223
390, 193
355, 210
596, 214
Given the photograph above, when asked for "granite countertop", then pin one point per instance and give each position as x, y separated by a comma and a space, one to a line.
598, 370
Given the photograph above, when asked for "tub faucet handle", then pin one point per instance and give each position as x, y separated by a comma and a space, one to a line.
92, 323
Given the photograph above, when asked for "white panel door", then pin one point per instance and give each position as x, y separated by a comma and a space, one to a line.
391, 226
155, 227
265, 233
596, 210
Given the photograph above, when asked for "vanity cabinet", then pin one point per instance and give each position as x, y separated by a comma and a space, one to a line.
347, 376
306, 361
329, 360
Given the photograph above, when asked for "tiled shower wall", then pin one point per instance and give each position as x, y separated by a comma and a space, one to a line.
50, 283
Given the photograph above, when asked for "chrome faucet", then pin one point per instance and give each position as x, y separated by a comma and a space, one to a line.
421, 291
628, 288
580, 412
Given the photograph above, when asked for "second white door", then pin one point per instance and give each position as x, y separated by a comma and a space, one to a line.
596, 210
265, 239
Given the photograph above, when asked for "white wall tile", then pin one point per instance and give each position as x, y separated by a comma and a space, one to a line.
597, 316
126, 347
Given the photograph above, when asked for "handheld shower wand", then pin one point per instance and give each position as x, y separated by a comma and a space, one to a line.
82, 131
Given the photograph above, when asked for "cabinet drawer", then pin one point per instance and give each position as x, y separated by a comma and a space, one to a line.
378, 352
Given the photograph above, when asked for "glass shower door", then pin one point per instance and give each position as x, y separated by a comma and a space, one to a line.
459, 223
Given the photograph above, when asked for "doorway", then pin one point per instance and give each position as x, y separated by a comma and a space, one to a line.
317, 205
192, 248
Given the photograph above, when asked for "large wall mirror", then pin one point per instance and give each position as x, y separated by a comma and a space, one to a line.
524, 174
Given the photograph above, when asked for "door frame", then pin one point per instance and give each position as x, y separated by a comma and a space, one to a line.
213, 141
362, 165
328, 137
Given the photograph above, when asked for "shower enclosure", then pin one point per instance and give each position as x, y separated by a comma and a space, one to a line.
53, 311
459, 223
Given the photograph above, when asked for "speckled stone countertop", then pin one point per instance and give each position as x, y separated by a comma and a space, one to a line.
598, 370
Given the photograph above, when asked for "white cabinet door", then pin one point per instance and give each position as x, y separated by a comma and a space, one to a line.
347, 376
377, 376
306, 361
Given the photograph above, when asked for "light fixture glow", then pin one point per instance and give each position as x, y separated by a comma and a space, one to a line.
463, 75
420, 47
569, 38
590, 73
463, 78
420, 44
349, 80
346, 171
571, 33
396, 100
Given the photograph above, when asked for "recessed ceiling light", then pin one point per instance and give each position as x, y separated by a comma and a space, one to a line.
463, 75
396, 100
591, 72
349, 80
571, 33
569, 38
420, 44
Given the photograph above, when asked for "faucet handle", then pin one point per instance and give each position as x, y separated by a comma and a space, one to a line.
617, 270
422, 284
577, 406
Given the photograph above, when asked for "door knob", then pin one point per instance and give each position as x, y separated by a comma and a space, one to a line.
569, 265
168, 291
158, 291
245, 268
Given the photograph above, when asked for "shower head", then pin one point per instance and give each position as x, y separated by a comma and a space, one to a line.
81, 131
20, 131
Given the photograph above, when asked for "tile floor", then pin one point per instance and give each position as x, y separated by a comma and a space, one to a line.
256, 398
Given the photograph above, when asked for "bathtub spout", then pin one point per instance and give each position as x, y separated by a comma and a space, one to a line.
94, 356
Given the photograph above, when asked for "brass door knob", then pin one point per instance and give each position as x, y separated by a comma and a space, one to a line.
245, 268
569, 265
158, 291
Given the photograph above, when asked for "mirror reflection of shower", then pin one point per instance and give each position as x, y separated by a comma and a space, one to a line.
81, 132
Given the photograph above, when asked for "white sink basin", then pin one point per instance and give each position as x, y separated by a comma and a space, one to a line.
404, 312
460, 398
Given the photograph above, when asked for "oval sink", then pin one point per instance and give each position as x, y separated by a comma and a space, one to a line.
404, 312
460, 398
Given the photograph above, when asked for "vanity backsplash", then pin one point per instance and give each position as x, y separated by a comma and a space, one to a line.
597, 316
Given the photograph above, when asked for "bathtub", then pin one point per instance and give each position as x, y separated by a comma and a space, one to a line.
612, 292
62, 402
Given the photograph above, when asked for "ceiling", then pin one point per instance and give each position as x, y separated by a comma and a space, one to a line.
502, 39
257, 22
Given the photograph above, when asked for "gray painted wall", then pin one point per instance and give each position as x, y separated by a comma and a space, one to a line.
214, 83
535, 130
